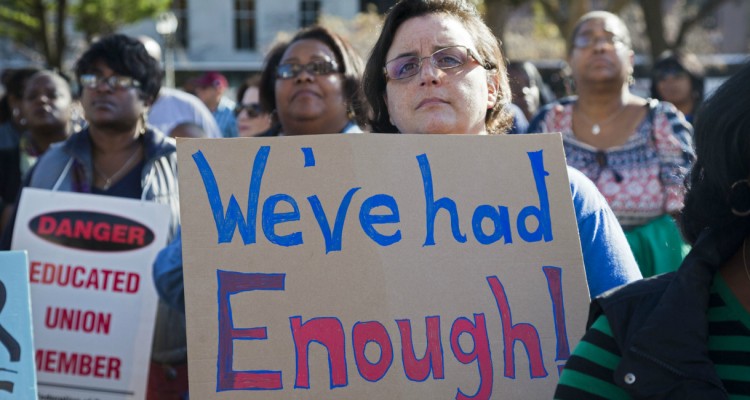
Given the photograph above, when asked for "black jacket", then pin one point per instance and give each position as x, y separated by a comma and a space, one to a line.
660, 324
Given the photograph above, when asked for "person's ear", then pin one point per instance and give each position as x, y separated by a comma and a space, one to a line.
493, 88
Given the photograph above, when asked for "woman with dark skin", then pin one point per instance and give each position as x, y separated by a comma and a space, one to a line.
47, 108
679, 78
637, 151
11, 119
312, 86
119, 155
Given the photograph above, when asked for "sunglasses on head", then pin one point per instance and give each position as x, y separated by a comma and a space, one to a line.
253, 109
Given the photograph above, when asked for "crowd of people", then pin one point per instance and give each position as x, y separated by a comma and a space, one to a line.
660, 185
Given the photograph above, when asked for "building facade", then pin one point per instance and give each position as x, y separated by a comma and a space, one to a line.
233, 36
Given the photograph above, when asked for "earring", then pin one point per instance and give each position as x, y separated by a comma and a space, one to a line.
16, 112
142, 131
631, 80
739, 198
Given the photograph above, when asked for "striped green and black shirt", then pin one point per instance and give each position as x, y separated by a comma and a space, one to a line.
589, 372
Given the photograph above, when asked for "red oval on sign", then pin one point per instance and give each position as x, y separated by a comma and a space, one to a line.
89, 230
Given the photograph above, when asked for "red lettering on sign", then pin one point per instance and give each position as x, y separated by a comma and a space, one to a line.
480, 353
419, 369
77, 320
328, 332
101, 231
46, 225
79, 364
79, 277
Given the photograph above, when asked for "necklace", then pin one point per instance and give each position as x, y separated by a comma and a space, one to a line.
596, 127
744, 260
108, 179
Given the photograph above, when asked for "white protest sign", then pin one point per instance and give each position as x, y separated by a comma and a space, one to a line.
17, 373
379, 266
93, 297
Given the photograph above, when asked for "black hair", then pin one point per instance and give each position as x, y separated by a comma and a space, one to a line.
267, 87
14, 81
545, 94
497, 119
126, 56
680, 61
722, 146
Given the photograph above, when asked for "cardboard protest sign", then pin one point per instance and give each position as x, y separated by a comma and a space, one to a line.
92, 291
379, 266
17, 374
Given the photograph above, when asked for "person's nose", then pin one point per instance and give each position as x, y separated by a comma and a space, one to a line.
305, 76
102, 85
428, 73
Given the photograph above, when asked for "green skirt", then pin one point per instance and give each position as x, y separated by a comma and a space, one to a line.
658, 246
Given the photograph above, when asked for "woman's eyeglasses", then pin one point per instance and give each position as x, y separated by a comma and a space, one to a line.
446, 58
586, 41
114, 82
253, 110
291, 70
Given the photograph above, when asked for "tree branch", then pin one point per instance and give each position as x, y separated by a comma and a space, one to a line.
707, 8
553, 12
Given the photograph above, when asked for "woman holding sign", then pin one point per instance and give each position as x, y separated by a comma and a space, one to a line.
686, 334
437, 68
118, 154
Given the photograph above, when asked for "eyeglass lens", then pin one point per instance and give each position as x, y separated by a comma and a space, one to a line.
586, 41
408, 66
253, 109
292, 70
113, 82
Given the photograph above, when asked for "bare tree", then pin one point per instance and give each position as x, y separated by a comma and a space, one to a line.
564, 14
40, 24
653, 12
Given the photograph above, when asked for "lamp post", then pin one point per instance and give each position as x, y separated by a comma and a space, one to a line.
166, 26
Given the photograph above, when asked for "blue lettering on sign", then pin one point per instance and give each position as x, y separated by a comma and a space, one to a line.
499, 218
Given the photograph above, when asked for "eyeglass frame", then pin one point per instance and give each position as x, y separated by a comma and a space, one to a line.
331, 68
256, 109
592, 41
111, 82
469, 52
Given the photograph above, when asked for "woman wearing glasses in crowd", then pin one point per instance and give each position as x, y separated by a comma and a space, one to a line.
678, 78
251, 119
313, 86
637, 151
119, 155
437, 69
